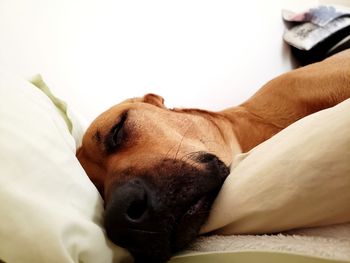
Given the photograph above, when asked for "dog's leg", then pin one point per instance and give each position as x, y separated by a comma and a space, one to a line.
289, 98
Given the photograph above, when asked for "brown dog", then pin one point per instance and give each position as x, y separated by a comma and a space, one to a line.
160, 169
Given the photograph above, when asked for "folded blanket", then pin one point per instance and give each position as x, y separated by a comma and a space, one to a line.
330, 242
297, 179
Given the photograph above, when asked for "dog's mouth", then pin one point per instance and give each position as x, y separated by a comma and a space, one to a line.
170, 213
191, 221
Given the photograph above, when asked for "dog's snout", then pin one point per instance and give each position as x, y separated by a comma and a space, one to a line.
157, 212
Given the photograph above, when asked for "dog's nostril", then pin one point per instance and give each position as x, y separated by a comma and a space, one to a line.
137, 208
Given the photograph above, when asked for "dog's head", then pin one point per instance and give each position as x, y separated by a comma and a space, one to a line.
158, 171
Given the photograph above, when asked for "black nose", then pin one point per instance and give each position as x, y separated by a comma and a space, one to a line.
132, 220
128, 206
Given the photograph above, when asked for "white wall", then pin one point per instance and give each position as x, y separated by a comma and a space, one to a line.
195, 53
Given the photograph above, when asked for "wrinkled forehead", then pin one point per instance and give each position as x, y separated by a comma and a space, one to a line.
140, 113
140, 116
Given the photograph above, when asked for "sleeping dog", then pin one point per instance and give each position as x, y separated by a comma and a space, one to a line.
160, 169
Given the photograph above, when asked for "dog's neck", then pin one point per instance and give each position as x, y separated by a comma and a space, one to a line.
249, 129
240, 129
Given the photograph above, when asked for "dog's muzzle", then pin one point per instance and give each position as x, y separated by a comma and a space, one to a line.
158, 212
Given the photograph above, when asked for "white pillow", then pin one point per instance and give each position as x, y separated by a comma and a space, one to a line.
50, 211
298, 178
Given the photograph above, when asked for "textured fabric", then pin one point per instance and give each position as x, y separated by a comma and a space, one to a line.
299, 178
328, 243
50, 211
248, 257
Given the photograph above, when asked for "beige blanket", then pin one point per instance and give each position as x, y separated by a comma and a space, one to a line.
299, 178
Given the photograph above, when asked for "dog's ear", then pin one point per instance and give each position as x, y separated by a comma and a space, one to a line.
154, 99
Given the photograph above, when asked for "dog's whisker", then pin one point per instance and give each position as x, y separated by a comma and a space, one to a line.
178, 148
182, 139
166, 155
189, 155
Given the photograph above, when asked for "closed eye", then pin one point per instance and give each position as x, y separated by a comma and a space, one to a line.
116, 135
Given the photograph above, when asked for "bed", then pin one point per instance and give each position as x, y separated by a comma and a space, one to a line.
51, 212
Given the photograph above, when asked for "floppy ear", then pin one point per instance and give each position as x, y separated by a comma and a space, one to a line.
154, 99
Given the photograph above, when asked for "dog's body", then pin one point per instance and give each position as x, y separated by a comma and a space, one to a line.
159, 169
